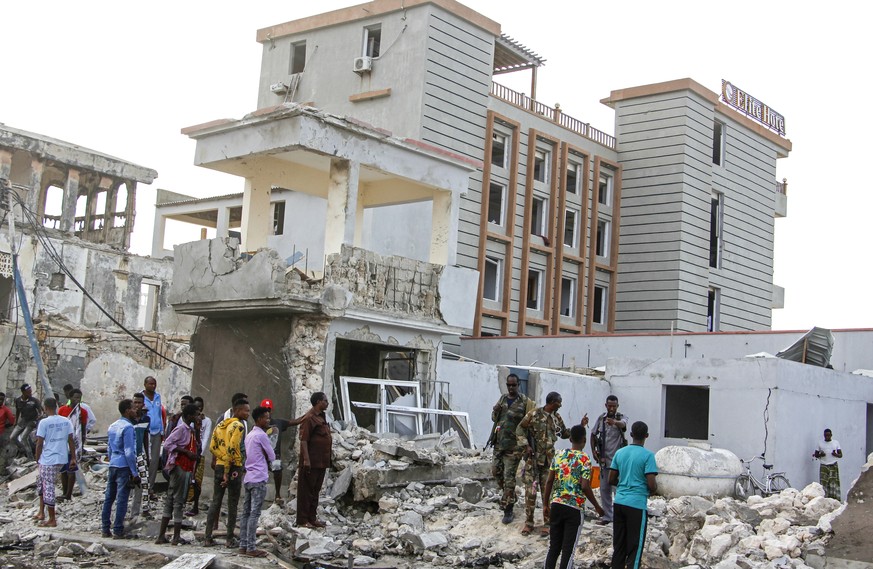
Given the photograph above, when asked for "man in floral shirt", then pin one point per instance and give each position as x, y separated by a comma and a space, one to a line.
568, 485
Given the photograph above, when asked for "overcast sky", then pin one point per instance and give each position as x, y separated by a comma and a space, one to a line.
123, 78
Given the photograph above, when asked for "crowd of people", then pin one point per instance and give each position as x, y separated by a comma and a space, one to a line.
146, 439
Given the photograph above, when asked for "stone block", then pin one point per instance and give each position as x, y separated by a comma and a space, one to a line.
342, 483
425, 541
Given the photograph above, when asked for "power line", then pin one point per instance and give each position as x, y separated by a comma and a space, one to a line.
45, 240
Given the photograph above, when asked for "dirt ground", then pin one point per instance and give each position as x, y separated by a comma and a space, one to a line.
853, 528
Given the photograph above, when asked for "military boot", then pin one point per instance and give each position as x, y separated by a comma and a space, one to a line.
507, 514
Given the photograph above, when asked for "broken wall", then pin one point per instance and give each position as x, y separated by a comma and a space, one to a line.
754, 405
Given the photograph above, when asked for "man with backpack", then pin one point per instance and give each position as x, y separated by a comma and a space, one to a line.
607, 437
228, 457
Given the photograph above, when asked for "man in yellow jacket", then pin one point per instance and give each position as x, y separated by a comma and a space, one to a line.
228, 457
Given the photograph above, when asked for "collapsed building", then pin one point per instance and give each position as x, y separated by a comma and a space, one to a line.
102, 319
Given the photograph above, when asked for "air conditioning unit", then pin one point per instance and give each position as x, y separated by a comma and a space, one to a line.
363, 64
279, 88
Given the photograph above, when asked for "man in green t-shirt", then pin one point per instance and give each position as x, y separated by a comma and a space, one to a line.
632, 472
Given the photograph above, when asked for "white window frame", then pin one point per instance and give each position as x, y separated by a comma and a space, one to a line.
603, 243
539, 220
600, 313
495, 137
574, 167
544, 155
570, 298
498, 278
501, 221
575, 237
541, 277
713, 323
607, 195
368, 30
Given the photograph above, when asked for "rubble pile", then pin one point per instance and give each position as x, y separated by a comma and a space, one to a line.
390, 502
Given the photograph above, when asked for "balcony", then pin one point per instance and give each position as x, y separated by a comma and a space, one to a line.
781, 207
553, 114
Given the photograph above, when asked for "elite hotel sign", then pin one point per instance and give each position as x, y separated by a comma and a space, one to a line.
752, 107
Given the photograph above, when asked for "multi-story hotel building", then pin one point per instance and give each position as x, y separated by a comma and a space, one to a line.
669, 223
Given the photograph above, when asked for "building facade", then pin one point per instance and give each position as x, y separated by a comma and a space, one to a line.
561, 242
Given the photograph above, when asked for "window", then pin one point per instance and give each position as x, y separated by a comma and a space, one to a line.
573, 178
716, 213
298, 57
718, 143
570, 217
496, 195
535, 289
601, 246
599, 307
372, 40
541, 166
686, 412
99, 212
712, 309
538, 217
568, 297
278, 218
498, 150
54, 207
149, 294
604, 189
491, 288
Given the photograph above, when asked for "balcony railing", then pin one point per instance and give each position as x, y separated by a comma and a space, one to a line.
553, 114
782, 187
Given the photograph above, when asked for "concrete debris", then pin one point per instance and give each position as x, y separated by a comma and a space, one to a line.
442, 511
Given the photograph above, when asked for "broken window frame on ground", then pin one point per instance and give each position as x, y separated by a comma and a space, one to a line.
384, 409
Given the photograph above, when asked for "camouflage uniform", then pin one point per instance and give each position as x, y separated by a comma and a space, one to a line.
543, 429
507, 454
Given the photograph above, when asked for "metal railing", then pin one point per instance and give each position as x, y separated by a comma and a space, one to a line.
553, 114
782, 187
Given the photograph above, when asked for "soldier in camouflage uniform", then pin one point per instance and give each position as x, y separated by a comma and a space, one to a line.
537, 434
508, 412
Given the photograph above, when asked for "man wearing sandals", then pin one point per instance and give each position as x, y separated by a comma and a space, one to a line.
828, 452
54, 449
259, 456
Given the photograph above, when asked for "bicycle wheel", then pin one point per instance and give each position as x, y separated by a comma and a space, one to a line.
778, 483
743, 487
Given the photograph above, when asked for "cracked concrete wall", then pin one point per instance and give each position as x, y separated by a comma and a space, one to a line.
212, 270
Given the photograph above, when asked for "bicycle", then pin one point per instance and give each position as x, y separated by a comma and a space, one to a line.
746, 483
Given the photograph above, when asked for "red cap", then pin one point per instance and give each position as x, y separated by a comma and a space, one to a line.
268, 403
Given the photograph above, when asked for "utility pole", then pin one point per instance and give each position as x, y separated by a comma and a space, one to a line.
6, 206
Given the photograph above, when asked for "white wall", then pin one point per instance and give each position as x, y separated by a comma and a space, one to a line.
785, 405
853, 349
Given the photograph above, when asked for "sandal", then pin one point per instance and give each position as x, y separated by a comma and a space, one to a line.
544, 532
526, 530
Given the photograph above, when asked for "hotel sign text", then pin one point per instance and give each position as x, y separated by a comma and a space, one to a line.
749, 105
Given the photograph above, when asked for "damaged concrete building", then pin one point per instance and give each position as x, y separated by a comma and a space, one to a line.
74, 213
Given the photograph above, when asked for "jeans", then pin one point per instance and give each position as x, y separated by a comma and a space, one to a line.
21, 437
234, 485
248, 526
117, 491
174, 503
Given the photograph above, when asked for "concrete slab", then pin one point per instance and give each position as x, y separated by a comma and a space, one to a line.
19, 484
191, 561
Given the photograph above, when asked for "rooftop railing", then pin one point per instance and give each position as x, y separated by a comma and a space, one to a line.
782, 187
553, 114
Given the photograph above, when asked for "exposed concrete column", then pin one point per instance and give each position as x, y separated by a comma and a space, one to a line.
342, 205
256, 218
441, 228
158, 234
223, 221
5, 164
71, 194
35, 200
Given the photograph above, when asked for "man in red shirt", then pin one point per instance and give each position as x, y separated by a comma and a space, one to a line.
7, 419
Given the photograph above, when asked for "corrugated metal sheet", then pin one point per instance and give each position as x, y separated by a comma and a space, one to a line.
814, 348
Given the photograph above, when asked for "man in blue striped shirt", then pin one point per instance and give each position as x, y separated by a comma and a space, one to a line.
122, 468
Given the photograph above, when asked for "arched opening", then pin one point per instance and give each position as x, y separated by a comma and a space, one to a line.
54, 207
